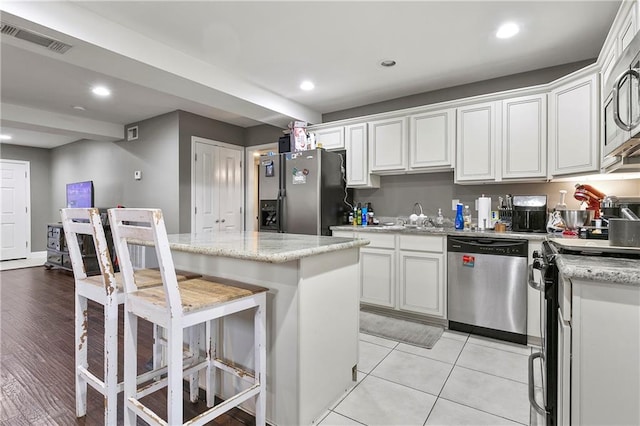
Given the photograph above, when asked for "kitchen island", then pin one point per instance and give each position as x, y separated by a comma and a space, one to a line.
312, 313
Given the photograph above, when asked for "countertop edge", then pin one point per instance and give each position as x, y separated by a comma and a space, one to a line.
608, 270
442, 231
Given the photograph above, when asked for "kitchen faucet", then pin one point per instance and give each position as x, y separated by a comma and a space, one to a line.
418, 205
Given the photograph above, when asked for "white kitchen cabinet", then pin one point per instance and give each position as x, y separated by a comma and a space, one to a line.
421, 282
564, 371
605, 355
573, 126
331, 138
432, 140
378, 270
358, 173
477, 137
524, 137
627, 31
388, 144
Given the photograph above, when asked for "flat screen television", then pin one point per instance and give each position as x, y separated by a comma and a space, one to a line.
80, 194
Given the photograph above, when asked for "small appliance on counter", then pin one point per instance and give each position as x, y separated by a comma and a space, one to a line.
529, 213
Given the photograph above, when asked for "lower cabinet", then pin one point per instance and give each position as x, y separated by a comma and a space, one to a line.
403, 272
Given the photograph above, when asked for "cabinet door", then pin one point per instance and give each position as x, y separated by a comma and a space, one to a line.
357, 158
573, 127
628, 30
377, 272
422, 282
431, 139
388, 144
476, 142
524, 137
330, 138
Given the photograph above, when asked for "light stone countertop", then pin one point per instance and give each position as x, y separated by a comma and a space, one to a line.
600, 269
532, 236
261, 246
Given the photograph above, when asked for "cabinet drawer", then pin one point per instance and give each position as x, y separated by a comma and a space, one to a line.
345, 234
422, 243
55, 243
55, 258
378, 240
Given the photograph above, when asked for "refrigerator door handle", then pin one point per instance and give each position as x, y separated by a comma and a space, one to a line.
279, 215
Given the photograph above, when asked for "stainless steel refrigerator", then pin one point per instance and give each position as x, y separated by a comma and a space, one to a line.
302, 192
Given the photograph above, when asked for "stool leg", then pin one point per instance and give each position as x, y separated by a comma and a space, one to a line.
130, 364
174, 375
194, 350
110, 361
211, 370
260, 348
81, 336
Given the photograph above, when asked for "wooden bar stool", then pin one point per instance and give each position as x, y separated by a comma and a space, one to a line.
176, 307
107, 290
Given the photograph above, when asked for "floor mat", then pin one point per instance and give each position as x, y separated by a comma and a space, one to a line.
409, 332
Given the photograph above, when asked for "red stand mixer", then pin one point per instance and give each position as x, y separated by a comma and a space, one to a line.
588, 194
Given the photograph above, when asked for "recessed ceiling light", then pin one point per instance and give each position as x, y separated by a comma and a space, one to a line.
79, 108
307, 85
101, 91
388, 63
5, 137
507, 30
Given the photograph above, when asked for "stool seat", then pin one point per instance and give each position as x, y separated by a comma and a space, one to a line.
198, 293
143, 277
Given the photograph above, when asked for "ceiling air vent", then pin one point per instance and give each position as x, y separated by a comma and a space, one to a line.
32, 37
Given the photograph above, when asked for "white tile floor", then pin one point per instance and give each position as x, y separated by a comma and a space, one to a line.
462, 380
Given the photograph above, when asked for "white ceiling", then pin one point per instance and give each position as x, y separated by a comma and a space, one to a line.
241, 62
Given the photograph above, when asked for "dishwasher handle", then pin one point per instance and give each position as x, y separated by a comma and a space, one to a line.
532, 388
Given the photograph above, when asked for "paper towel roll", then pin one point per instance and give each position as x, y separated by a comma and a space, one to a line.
484, 212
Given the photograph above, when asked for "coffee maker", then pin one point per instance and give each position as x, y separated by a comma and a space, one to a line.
529, 213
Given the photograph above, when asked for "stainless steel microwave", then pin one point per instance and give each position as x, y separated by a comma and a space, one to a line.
622, 106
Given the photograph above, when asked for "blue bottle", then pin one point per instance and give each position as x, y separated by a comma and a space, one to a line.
459, 218
364, 214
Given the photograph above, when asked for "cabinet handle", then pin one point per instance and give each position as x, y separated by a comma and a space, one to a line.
616, 99
217, 221
222, 221
532, 281
532, 389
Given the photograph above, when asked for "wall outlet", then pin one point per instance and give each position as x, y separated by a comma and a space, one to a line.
454, 204
137, 175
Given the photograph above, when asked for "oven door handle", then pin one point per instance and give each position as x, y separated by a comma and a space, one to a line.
532, 388
532, 281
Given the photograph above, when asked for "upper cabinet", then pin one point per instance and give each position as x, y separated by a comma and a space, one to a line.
476, 141
358, 174
432, 140
331, 138
573, 126
388, 144
524, 137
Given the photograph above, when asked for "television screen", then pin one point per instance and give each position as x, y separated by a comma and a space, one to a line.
80, 194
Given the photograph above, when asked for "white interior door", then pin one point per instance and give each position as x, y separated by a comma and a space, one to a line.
206, 189
14, 197
230, 189
217, 181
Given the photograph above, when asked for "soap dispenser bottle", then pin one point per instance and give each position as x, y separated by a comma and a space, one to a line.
439, 218
459, 222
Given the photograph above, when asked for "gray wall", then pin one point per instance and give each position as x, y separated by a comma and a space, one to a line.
40, 167
515, 81
397, 194
195, 125
259, 135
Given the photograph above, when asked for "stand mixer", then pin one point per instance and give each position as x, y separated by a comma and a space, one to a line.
588, 194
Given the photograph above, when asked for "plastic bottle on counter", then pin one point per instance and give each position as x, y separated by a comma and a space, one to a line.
364, 214
439, 218
359, 215
369, 214
354, 216
459, 222
467, 217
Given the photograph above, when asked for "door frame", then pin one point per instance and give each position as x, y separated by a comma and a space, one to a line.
197, 139
251, 179
27, 199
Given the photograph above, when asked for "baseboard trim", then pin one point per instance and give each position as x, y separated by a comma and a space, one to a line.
37, 255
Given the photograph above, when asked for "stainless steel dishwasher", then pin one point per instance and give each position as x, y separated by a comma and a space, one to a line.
487, 286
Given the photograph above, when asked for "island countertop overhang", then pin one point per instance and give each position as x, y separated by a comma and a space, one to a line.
261, 246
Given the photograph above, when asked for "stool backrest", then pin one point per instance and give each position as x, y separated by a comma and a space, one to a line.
145, 227
87, 221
